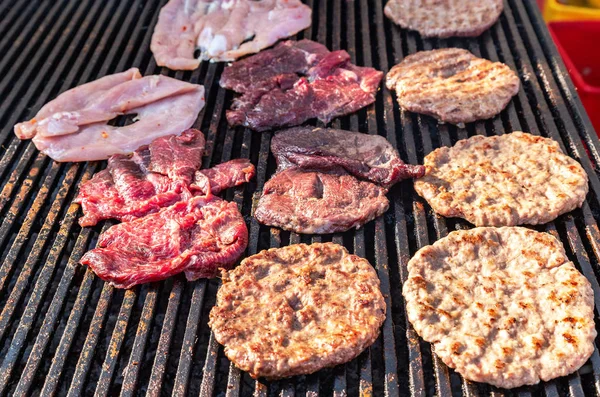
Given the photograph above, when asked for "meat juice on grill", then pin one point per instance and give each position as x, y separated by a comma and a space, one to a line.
294, 82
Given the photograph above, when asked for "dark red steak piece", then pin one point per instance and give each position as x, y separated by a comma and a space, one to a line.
369, 157
197, 236
294, 82
314, 202
223, 176
154, 176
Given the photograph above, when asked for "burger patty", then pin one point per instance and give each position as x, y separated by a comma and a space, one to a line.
504, 180
503, 306
445, 18
294, 310
306, 201
452, 85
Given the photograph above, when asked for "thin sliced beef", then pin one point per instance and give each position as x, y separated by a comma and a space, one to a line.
223, 176
297, 81
369, 157
197, 236
154, 177
306, 201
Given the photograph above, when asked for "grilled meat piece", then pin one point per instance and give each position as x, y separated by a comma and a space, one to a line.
198, 237
74, 126
452, 85
503, 306
505, 180
294, 82
154, 177
294, 310
369, 157
223, 30
313, 202
445, 18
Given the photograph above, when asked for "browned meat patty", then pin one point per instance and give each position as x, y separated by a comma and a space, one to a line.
504, 180
369, 157
294, 310
445, 18
503, 306
313, 202
452, 85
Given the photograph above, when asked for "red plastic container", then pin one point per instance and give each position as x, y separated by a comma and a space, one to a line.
579, 45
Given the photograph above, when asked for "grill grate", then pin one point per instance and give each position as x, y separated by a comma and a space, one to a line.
63, 331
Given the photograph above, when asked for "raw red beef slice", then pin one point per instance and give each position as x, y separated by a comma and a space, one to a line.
198, 236
297, 81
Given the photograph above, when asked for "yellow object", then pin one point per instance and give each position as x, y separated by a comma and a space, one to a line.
594, 3
574, 11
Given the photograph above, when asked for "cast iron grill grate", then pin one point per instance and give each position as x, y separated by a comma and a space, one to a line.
64, 332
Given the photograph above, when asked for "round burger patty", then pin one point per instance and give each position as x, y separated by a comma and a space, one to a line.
505, 180
309, 202
502, 305
445, 18
294, 310
452, 85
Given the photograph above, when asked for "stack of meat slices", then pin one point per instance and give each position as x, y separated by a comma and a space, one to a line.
173, 222
330, 180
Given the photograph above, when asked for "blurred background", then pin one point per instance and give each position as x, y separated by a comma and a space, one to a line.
575, 28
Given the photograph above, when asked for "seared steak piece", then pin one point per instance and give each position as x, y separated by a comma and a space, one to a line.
505, 180
294, 310
369, 157
452, 85
197, 236
294, 82
503, 306
223, 176
154, 177
445, 18
306, 201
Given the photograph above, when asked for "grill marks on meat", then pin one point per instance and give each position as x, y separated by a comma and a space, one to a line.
223, 30
503, 306
197, 236
294, 82
445, 18
133, 186
314, 202
452, 85
369, 157
74, 126
296, 309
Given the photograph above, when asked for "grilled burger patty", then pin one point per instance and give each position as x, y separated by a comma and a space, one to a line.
452, 85
294, 310
445, 18
505, 180
502, 305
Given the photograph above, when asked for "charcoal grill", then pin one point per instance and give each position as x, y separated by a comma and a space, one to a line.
65, 332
